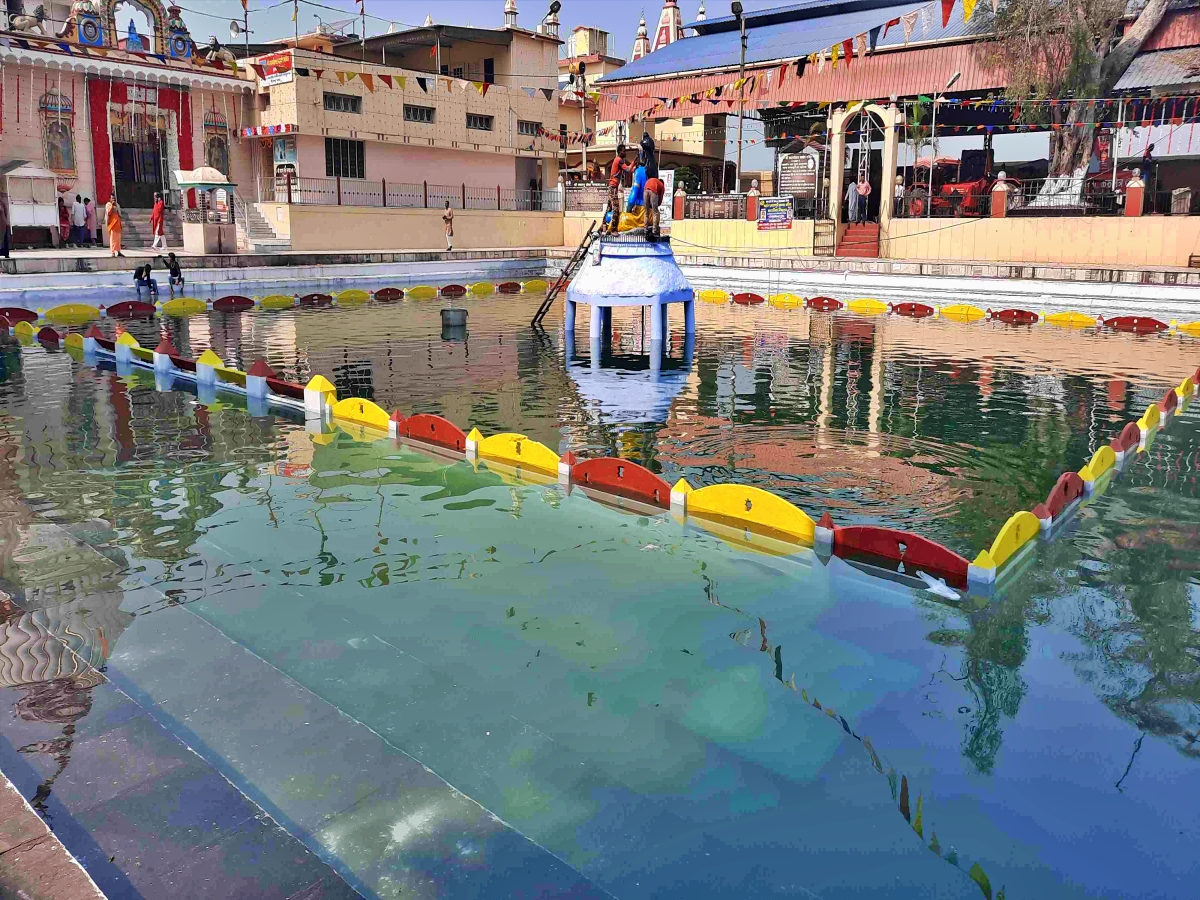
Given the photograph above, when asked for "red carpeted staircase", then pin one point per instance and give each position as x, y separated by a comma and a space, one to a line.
860, 241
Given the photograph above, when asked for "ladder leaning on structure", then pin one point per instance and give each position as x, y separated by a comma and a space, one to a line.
568, 273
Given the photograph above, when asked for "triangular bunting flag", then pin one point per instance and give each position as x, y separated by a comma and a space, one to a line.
947, 8
968, 10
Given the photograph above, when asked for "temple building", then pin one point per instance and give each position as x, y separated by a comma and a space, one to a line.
109, 109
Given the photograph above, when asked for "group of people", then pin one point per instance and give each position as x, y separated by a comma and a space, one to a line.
652, 188
77, 223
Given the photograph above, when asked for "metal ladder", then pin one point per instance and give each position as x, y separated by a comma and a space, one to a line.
568, 273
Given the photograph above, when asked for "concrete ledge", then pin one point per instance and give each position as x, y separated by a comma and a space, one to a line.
33, 863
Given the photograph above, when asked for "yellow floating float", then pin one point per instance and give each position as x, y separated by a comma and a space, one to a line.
1071, 319
184, 306
277, 301
1191, 328
352, 295
867, 306
72, 314
748, 507
359, 411
483, 288
535, 285
421, 292
785, 301
962, 312
515, 450
712, 295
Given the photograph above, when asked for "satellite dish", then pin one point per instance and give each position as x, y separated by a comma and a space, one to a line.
235, 29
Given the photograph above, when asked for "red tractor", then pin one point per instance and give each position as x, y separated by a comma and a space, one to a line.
960, 186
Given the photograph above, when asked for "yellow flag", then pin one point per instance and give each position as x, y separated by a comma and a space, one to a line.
968, 10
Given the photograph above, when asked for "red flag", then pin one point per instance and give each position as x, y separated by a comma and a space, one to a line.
947, 8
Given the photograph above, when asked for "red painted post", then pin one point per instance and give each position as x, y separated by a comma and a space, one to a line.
427, 195
289, 187
339, 189
385, 193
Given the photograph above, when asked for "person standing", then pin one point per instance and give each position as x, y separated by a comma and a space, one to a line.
112, 221
4, 229
157, 215
863, 188
89, 221
448, 218
78, 220
619, 168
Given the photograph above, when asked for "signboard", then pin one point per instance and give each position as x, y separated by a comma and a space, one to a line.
277, 68
667, 176
774, 213
798, 174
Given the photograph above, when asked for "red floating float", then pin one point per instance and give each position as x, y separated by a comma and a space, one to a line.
914, 551
912, 310
1128, 439
1015, 316
433, 430
748, 299
16, 314
286, 388
623, 478
1136, 324
388, 294
1169, 401
316, 300
131, 309
509, 287
232, 303
824, 303
453, 290
48, 337
1066, 491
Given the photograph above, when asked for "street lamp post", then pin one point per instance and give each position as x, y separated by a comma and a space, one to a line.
736, 8
933, 141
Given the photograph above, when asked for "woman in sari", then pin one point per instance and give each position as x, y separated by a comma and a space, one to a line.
112, 221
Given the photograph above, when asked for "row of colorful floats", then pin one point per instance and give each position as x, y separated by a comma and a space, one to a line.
742, 514
956, 312
82, 313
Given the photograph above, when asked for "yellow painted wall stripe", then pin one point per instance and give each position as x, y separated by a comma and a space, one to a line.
751, 507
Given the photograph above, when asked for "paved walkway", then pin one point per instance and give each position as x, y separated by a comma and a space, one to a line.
34, 865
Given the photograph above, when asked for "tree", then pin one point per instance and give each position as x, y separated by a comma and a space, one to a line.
1069, 50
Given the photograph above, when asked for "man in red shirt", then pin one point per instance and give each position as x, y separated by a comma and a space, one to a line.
615, 174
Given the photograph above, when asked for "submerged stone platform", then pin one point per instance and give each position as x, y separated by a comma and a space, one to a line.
628, 270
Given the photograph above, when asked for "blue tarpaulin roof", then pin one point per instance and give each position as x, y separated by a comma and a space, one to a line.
788, 32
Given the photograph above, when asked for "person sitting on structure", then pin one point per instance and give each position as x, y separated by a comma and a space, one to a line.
142, 279
173, 267
619, 168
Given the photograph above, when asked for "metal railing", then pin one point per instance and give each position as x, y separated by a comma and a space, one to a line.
719, 206
400, 195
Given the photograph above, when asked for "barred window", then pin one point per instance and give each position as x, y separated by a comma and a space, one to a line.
344, 158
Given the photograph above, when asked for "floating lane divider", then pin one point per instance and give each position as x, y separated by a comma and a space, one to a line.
867, 306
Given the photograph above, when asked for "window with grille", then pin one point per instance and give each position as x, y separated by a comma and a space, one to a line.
344, 158
347, 103
478, 122
532, 129
418, 114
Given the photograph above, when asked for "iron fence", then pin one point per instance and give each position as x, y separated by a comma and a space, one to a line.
400, 195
